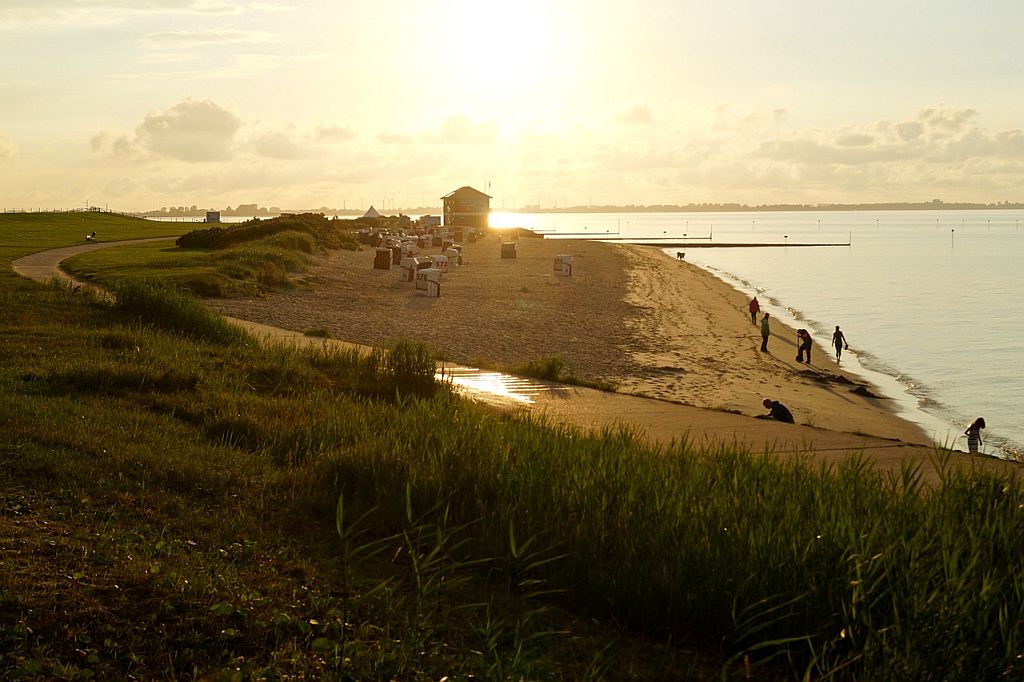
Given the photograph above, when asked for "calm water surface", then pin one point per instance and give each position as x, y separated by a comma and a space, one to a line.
930, 301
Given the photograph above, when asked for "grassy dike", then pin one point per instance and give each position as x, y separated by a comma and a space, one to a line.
177, 502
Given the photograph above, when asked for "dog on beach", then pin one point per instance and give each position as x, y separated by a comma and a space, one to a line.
680, 255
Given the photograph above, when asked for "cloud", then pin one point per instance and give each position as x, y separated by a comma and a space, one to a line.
394, 138
18, 13
731, 118
288, 142
120, 187
192, 130
460, 130
947, 121
638, 115
333, 134
934, 135
202, 130
909, 130
7, 150
121, 147
236, 67
189, 39
282, 145
166, 58
854, 140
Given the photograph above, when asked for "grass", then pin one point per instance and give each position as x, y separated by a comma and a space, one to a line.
249, 269
244, 260
555, 369
179, 504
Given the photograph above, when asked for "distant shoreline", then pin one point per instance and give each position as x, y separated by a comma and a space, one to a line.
671, 208
253, 211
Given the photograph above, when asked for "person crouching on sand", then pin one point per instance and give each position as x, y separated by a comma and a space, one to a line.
776, 411
755, 308
765, 333
973, 434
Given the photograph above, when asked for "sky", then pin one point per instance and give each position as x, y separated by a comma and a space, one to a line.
141, 104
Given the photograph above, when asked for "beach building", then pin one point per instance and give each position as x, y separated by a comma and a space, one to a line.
372, 213
213, 216
467, 207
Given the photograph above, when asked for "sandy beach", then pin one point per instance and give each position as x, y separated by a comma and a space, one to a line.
630, 315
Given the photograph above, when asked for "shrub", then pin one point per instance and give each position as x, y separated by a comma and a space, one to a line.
271, 274
411, 368
546, 368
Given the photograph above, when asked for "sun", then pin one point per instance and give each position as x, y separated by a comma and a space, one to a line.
496, 46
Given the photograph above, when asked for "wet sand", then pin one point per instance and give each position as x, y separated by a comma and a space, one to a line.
629, 315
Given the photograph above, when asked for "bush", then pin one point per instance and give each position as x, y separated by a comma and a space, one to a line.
411, 368
271, 274
548, 368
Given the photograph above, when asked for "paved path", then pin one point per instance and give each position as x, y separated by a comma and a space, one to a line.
45, 265
659, 421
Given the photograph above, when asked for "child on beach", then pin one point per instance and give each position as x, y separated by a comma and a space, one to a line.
839, 341
755, 308
765, 333
973, 434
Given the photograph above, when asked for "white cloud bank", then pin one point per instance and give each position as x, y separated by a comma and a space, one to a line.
194, 130
638, 155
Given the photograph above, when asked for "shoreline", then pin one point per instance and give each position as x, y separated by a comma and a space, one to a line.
827, 395
904, 403
629, 314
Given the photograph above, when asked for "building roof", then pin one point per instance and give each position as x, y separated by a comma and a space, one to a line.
466, 190
372, 213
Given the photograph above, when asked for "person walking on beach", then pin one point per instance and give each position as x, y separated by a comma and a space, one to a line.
803, 345
973, 434
755, 308
839, 341
777, 411
765, 332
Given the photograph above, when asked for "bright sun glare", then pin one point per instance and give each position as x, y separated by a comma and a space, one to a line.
497, 46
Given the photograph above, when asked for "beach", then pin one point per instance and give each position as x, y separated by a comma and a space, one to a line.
628, 315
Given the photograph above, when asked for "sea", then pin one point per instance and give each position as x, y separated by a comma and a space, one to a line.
930, 302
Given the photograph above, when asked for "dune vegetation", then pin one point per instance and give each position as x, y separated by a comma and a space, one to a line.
243, 259
179, 501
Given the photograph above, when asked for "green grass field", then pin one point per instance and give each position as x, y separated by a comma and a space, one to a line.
176, 501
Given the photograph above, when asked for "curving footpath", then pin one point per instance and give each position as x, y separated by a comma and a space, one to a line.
659, 421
